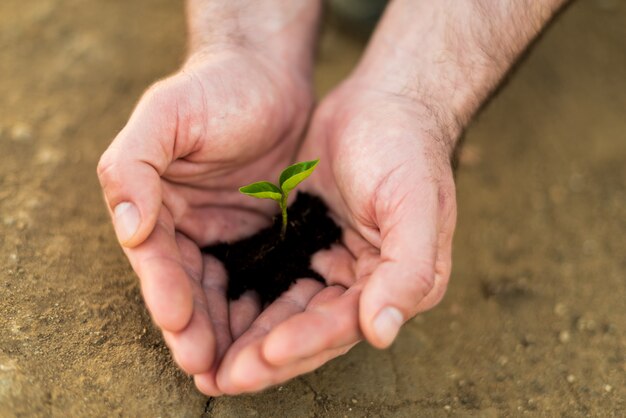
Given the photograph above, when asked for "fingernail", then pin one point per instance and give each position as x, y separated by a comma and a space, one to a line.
387, 324
126, 220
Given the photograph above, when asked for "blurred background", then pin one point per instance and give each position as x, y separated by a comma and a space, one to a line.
534, 321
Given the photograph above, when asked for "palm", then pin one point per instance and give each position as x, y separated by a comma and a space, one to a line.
390, 187
380, 163
387, 178
235, 124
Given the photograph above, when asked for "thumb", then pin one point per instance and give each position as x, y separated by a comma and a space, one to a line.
406, 272
130, 169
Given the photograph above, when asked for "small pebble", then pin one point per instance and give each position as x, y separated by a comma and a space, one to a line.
608, 388
21, 132
560, 309
564, 337
447, 408
9, 366
49, 155
354, 401
586, 324
571, 378
529, 339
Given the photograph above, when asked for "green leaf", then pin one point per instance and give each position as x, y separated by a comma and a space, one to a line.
295, 174
262, 190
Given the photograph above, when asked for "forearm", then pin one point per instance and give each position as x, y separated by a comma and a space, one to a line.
283, 30
449, 53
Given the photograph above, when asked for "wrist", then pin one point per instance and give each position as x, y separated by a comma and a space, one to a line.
282, 32
439, 112
359, 102
450, 54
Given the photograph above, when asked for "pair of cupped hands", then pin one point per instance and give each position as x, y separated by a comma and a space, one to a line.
232, 117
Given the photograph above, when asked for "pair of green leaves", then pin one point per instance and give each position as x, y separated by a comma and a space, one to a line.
289, 179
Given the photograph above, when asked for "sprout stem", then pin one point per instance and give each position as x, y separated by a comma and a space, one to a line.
283, 207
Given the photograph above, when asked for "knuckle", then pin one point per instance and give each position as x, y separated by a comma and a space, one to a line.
109, 175
104, 167
438, 292
441, 281
441, 285
424, 281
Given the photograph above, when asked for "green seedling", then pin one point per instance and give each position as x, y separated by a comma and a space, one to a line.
289, 179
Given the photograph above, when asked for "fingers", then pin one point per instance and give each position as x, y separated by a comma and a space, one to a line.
194, 347
214, 284
243, 312
335, 264
406, 270
165, 284
262, 374
443, 263
330, 322
285, 341
129, 170
236, 372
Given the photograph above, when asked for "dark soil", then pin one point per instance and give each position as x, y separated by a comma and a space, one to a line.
268, 263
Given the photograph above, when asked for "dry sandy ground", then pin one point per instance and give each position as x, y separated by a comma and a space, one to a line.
534, 321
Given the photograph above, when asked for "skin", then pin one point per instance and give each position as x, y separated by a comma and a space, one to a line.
234, 114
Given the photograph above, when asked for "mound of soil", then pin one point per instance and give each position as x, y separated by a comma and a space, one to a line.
269, 264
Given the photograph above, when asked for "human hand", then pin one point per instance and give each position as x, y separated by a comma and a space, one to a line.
170, 179
385, 140
385, 173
